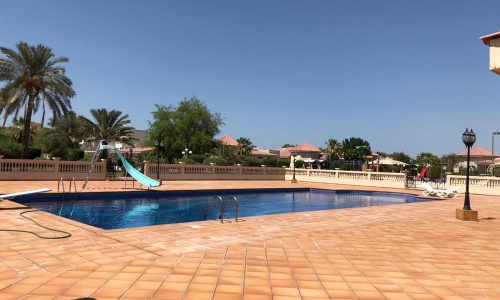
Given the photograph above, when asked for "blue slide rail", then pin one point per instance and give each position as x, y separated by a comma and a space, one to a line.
141, 178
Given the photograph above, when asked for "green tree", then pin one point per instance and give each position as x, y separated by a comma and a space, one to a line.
287, 146
333, 149
355, 148
70, 126
245, 146
108, 125
431, 161
189, 125
449, 160
33, 80
401, 156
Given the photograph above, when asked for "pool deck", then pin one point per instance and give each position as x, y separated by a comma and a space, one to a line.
407, 251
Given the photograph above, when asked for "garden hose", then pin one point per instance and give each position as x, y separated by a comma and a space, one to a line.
67, 234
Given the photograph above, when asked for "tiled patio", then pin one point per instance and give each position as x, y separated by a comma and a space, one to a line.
408, 251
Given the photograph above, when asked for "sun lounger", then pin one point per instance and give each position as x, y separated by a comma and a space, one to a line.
432, 192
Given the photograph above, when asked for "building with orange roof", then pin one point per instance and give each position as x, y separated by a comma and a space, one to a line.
480, 158
228, 141
306, 152
493, 42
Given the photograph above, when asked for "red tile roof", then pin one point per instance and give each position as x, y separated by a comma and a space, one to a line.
476, 152
305, 147
285, 152
487, 38
227, 140
261, 152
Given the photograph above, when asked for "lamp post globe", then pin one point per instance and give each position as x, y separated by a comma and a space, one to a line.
469, 138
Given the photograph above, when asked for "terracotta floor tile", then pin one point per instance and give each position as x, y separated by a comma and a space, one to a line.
413, 255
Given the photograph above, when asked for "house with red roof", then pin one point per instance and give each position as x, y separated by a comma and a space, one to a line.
307, 153
228, 141
480, 158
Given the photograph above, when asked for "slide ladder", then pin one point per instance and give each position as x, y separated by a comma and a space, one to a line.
136, 174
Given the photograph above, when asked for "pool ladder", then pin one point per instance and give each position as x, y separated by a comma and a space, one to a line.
72, 186
223, 207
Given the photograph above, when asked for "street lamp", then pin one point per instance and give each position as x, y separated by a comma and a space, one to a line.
469, 138
467, 214
493, 151
294, 155
186, 153
159, 146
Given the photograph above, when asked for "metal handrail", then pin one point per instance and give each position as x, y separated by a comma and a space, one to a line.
211, 204
60, 183
236, 209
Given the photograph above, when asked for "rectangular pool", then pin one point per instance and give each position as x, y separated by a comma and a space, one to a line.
133, 209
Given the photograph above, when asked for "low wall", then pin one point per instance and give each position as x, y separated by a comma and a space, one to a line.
378, 179
213, 172
24, 169
477, 184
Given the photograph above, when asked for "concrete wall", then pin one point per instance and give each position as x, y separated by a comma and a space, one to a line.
21, 169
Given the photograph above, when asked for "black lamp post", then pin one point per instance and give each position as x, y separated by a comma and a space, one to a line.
293, 179
469, 138
159, 146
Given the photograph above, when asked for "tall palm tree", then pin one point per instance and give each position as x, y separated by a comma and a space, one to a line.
245, 146
33, 80
70, 126
109, 125
333, 149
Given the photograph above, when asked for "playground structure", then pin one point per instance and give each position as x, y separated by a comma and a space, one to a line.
129, 169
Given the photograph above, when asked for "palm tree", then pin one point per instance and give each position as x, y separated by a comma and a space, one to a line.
333, 149
110, 126
70, 126
33, 80
245, 146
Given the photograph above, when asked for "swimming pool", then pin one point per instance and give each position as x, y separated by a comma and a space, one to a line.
124, 210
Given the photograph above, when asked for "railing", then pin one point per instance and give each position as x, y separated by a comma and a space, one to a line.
379, 179
212, 172
477, 184
21, 169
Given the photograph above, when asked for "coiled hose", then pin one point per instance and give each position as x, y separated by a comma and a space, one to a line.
67, 234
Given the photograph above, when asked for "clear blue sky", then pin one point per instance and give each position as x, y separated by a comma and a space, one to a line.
404, 75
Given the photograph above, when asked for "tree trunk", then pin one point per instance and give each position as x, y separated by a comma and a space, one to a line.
27, 128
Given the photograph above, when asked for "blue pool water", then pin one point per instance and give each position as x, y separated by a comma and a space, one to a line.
111, 211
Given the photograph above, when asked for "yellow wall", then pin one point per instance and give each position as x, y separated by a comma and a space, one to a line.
495, 55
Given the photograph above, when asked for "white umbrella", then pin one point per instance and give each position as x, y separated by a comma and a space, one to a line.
390, 161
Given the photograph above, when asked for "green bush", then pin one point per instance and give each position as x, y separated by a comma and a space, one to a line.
10, 148
273, 162
220, 161
74, 154
249, 161
198, 158
59, 152
299, 163
34, 153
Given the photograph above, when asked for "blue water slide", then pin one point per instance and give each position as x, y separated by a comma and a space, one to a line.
141, 178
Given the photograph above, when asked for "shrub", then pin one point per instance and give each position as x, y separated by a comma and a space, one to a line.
249, 161
197, 158
10, 148
34, 153
299, 164
74, 154
220, 161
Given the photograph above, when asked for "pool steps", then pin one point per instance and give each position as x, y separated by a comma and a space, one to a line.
223, 207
